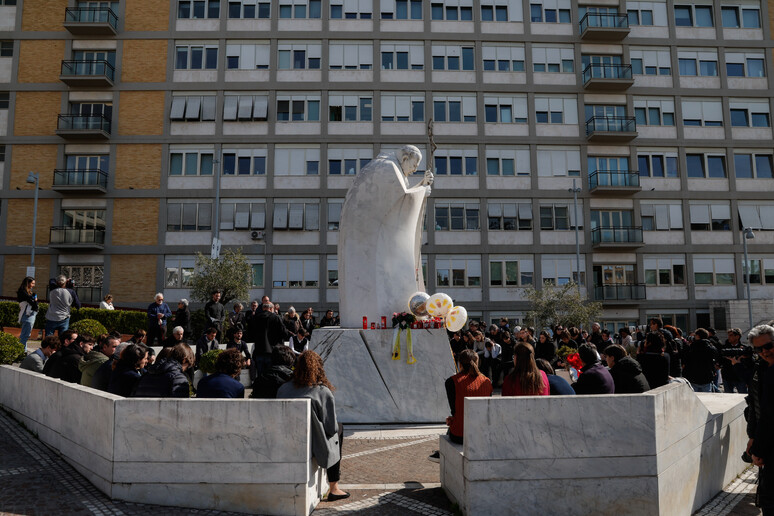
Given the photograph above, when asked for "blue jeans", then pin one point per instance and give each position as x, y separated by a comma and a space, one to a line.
261, 362
60, 326
26, 328
706, 387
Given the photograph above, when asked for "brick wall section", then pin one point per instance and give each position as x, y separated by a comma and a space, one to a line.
132, 278
19, 229
36, 158
138, 166
16, 269
135, 221
146, 15
36, 113
141, 113
43, 15
41, 60
144, 60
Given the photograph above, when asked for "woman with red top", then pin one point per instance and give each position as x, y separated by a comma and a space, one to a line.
525, 379
468, 383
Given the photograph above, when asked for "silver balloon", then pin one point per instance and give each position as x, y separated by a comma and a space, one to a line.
417, 304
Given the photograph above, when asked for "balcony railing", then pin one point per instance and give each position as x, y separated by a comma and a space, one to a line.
604, 26
614, 179
611, 128
616, 235
87, 179
83, 126
630, 292
607, 72
92, 72
91, 20
76, 237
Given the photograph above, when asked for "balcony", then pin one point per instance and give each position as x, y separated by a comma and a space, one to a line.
80, 180
604, 27
607, 77
64, 237
611, 129
614, 181
88, 73
616, 236
96, 127
631, 292
91, 21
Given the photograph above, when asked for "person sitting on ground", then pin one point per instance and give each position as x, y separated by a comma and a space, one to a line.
36, 360
309, 381
64, 363
106, 346
166, 378
700, 359
128, 370
300, 342
139, 337
240, 345
525, 379
626, 372
545, 347
101, 378
224, 383
206, 342
655, 364
468, 383
271, 379
177, 337
557, 385
594, 377
107, 303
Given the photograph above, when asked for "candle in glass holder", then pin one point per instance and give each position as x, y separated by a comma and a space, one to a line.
384, 322
365, 323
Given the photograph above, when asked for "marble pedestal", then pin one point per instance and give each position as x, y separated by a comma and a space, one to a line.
373, 388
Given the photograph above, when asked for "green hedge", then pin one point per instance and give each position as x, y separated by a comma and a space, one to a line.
88, 327
11, 349
125, 321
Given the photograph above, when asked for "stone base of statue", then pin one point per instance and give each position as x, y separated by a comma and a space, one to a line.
371, 387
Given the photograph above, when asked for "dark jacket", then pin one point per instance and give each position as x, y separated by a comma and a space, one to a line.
64, 364
700, 358
183, 319
308, 324
240, 346
266, 331
545, 350
266, 385
31, 300
123, 381
219, 386
171, 341
655, 367
236, 321
763, 444
754, 397
559, 386
628, 378
202, 346
164, 379
154, 309
101, 378
215, 313
594, 379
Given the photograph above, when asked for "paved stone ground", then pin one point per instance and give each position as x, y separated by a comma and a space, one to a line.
385, 470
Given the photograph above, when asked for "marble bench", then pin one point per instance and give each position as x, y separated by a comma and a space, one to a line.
251, 456
664, 452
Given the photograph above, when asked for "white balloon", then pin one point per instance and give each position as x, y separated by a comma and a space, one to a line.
439, 305
456, 318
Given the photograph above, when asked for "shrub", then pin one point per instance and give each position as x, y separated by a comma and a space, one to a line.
208, 359
11, 349
89, 327
199, 323
125, 321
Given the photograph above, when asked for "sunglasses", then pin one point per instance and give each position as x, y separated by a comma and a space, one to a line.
768, 346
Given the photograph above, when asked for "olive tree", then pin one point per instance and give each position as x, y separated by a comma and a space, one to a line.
231, 273
560, 305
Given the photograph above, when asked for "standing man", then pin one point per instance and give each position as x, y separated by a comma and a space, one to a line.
731, 380
215, 312
59, 303
760, 423
158, 315
266, 330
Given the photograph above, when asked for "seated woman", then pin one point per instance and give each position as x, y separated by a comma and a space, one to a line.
626, 372
224, 383
127, 370
236, 342
655, 364
558, 385
166, 378
594, 377
525, 379
309, 381
468, 383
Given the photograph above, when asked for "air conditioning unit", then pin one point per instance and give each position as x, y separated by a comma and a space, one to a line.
256, 235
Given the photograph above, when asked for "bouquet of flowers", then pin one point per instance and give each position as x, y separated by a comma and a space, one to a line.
402, 319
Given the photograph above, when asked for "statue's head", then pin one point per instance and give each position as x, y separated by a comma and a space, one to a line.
409, 157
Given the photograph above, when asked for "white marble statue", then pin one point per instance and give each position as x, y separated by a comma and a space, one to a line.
380, 236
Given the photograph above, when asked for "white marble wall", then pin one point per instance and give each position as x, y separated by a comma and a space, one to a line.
234, 455
664, 452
